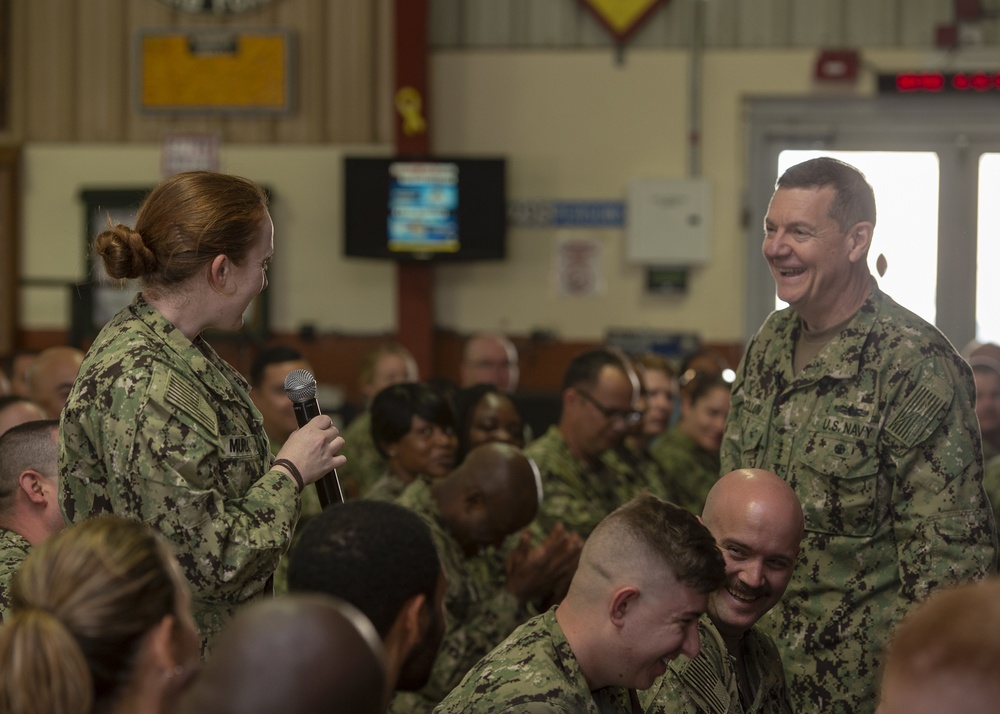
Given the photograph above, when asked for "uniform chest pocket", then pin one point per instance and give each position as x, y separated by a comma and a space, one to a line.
837, 480
752, 435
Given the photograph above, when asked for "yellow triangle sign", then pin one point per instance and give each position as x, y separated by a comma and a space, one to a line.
622, 17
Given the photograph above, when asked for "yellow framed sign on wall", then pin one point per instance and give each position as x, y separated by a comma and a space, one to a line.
215, 70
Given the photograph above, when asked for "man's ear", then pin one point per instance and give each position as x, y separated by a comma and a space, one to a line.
569, 397
414, 620
623, 599
859, 241
32, 483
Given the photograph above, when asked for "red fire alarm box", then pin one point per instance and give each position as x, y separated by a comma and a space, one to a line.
836, 66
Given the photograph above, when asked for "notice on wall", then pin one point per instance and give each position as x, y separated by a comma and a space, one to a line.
189, 152
578, 269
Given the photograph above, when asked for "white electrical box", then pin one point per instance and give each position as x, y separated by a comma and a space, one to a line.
667, 222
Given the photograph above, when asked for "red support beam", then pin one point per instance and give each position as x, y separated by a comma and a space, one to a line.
414, 281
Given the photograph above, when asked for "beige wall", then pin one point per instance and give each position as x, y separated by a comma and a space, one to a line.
311, 282
578, 125
574, 125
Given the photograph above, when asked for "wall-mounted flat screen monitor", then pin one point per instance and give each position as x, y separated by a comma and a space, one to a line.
425, 208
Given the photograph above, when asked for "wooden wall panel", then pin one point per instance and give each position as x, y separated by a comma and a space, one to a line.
350, 68
141, 127
729, 24
444, 24
312, 54
17, 79
656, 31
79, 61
384, 72
52, 42
592, 32
872, 24
679, 19
919, 18
763, 23
818, 23
102, 71
73, 64
721, 23
487, 23
10, 203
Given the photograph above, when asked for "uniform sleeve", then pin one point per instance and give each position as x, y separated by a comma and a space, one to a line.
10, 561
942, 521
730, 453
150, 449
486, 626
459, 704
666, 696
572, 496
564, 501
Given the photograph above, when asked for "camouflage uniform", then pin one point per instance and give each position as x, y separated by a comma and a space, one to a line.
879, 439
991, 477
533, 670
479, 611
388, 487
636, 471
162, 430
708, 683
991, 482
310, 508
574, 494
691, 471
364, 463
13, 550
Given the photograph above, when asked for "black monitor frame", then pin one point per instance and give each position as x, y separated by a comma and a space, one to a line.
481, 212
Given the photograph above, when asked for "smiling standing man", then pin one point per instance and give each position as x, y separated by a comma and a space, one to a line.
868, 413
757, 522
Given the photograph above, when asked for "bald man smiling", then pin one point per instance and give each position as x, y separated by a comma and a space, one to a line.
757, 521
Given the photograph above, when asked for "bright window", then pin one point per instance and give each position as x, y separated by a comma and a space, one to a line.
988, 251
906, 198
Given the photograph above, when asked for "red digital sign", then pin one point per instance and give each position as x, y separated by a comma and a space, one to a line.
939, 82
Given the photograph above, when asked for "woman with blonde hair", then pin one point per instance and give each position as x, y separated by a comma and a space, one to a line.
100, 623
689, 450
385, 365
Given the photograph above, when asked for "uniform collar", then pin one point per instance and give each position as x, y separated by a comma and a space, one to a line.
216, 374
841, 357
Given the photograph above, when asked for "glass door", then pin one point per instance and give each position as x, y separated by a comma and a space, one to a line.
988, 250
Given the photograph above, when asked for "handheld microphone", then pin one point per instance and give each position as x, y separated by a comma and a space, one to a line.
300, 386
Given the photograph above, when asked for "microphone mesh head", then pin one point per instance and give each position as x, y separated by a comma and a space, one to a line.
300, 385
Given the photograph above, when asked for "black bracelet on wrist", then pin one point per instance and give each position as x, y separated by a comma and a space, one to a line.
292, 469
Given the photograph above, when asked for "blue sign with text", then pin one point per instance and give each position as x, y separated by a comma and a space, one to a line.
566, 214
